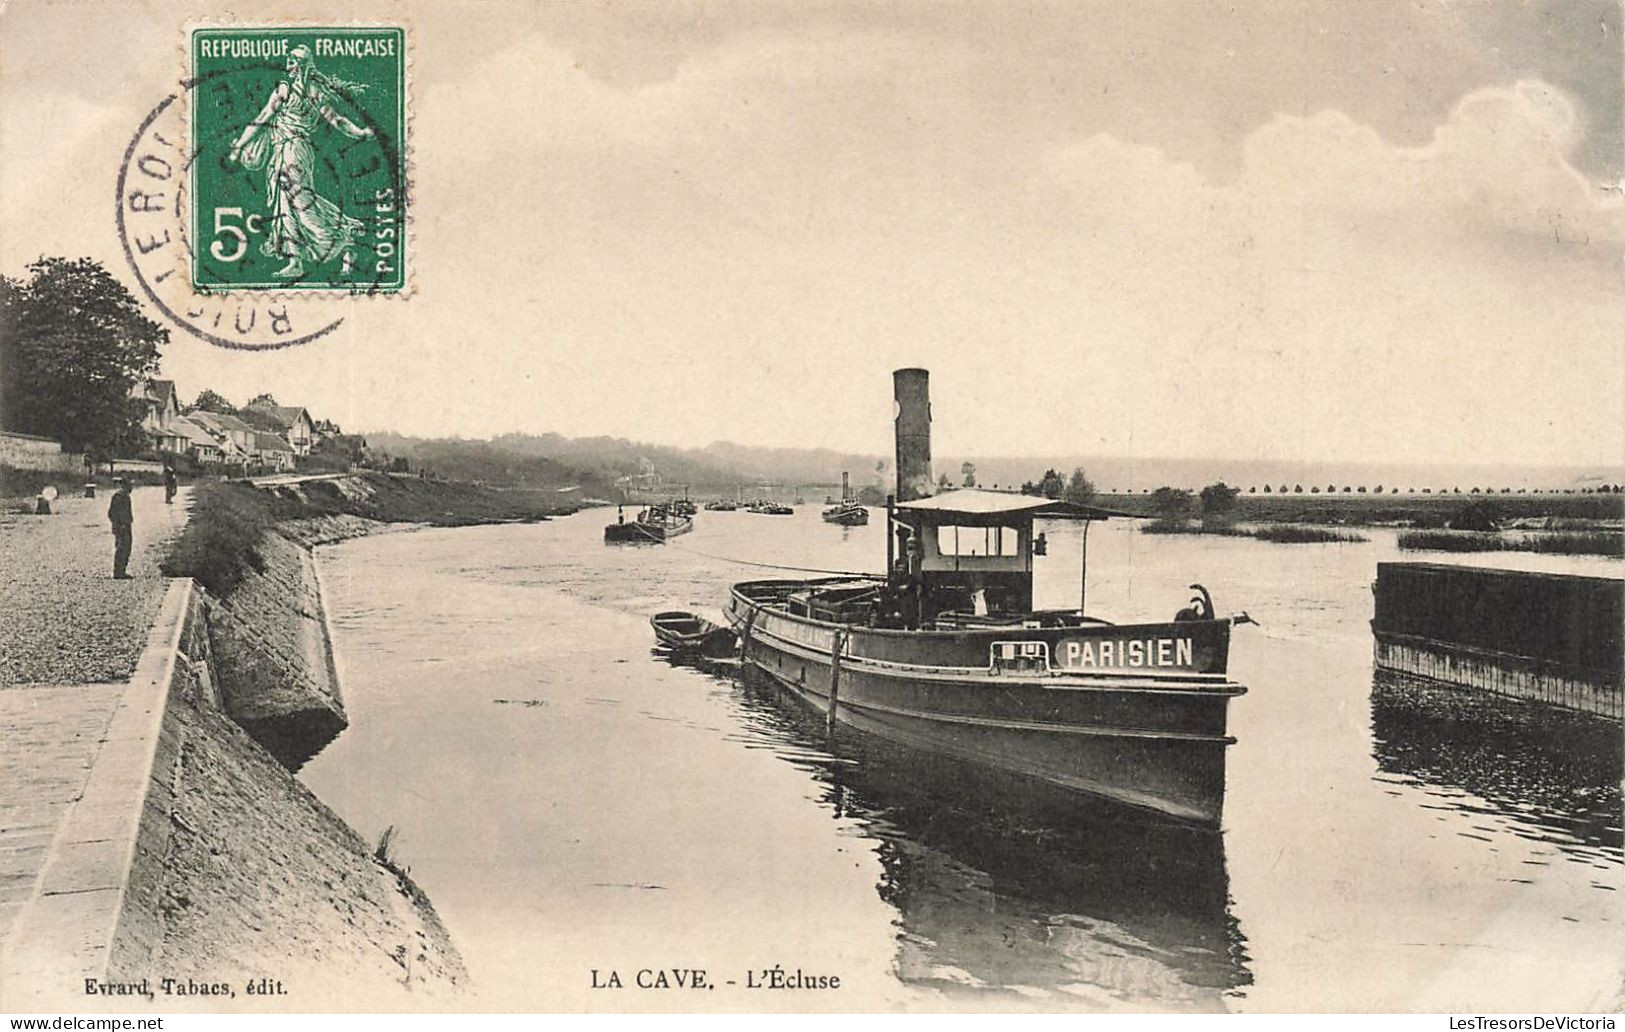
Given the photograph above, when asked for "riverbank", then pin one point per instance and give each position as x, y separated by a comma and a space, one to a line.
156, 827
1419, 511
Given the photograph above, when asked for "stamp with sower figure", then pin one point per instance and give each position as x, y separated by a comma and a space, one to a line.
299, 149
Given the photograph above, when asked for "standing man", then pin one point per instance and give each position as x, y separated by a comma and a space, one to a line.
118, 514
169, 485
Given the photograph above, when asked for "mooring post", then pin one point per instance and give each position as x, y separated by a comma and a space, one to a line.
834, 680
1083, 572
744, 639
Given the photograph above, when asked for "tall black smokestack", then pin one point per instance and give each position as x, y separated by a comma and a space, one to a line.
912, 390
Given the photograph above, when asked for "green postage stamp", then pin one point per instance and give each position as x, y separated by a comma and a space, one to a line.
299, 172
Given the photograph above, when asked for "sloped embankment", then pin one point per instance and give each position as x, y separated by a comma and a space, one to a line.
261, 878
250, 548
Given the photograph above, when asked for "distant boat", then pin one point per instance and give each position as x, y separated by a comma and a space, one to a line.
684, 507
721, 505
686, 632
772, 509
654, 525
848, 513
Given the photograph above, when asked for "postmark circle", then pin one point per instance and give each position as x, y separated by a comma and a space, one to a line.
156, 208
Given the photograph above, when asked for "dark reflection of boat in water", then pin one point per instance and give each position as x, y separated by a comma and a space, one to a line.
1068, 904
1553, 774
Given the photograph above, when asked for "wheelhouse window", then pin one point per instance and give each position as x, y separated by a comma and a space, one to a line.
978, 541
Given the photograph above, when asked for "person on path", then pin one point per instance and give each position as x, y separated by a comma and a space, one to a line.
118, 514
169, 485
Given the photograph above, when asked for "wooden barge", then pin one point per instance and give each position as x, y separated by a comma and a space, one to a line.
1545, 637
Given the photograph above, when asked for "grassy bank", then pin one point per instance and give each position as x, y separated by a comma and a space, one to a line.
221, 544
1582, 543
1282, 534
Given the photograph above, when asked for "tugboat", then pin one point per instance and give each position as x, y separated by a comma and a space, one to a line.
946, 654
653, 525
848, 513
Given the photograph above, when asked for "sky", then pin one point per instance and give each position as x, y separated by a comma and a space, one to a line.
1333, 231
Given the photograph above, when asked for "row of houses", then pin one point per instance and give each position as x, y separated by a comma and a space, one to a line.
266, 436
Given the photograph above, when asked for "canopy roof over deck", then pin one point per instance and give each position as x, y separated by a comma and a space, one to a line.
975, 507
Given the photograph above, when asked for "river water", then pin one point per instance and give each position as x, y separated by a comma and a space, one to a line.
574, 803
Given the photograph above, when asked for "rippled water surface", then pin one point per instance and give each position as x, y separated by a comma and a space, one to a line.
573, 802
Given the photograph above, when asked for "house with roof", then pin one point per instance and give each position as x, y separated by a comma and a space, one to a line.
237, 440
292, 421
272, 452
159, 406
199, 443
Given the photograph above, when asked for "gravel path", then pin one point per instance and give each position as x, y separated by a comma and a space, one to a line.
63, 618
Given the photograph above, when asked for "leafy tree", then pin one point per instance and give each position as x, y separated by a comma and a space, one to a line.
209, 401
1051, 485
1171, 503
1296, 489
969, 471
944, 484
1079, 488
1219, 499
1029, 488
73, 341
260, 400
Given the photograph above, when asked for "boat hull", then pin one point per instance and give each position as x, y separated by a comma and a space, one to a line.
636, 532
1154, 741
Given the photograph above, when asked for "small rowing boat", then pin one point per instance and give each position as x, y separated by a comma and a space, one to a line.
679, 630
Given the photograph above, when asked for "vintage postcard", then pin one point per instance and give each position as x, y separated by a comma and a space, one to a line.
758, 507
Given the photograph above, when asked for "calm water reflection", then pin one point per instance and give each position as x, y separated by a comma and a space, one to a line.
1548, 775
572, 802
997, 894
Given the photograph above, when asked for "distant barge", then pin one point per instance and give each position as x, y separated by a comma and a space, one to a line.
946, 653
653, 526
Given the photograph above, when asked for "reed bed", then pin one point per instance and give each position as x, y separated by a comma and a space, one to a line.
1296, 534
1279, 534
1605, 543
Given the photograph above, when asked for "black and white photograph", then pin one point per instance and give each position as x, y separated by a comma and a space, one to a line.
860, 507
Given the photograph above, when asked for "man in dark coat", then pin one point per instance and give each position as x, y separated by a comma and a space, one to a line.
118, 513
169, 485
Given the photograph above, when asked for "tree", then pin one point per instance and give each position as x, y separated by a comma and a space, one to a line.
1219, 499
1051, 485
1171, 503
969, 471
261, 401
1079, 488
73, 341
209, 401
944, 484
1029, 488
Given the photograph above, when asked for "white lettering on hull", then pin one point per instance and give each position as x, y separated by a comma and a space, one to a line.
1135, 653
